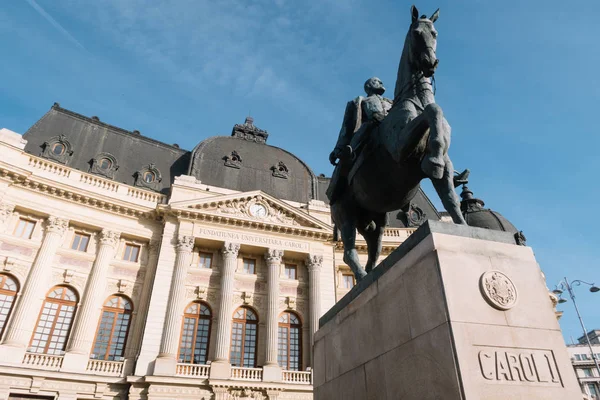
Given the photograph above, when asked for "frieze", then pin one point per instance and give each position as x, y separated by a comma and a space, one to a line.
13, 248
255, 208
76, 262
57, 224
246, 394
118, 272
252, 239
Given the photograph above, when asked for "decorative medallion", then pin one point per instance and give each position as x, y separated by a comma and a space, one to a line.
57, 148
498, 290
280, 170
234, 160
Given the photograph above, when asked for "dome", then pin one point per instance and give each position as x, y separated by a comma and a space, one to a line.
244, 162
477, 216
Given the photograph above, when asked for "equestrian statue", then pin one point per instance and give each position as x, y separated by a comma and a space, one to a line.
385, 148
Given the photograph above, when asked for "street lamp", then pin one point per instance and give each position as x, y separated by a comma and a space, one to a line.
565, 285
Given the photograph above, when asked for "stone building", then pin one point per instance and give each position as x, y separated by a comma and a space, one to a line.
584, 365
131, 268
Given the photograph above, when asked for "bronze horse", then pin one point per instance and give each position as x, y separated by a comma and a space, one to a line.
409, 144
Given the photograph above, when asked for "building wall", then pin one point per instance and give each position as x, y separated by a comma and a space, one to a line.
171, 232
585, 368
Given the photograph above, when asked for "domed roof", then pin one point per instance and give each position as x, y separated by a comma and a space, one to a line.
476, 215
244, 162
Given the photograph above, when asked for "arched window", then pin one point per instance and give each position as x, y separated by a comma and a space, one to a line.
289, 354
55, 321
8, 291
243, 338
195, 334
112, 329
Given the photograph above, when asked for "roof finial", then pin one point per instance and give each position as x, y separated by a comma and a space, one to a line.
249, 120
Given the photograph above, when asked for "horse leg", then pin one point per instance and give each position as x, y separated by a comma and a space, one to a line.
348, 231
373, 238
445, 189
433, 163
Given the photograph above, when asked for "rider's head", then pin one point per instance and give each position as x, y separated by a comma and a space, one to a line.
374, 86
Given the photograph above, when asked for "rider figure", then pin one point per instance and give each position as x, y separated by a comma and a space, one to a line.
362, 115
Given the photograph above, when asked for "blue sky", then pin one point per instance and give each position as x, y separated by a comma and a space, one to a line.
517, 81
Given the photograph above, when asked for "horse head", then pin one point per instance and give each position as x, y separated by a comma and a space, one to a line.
423, 42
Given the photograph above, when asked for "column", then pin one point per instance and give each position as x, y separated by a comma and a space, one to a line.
20, 329
167, 358
88, 315
221, 367
314, 264
271, 370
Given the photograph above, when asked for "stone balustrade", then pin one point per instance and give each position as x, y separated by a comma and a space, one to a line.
43, 361
297, 377
103, 367
193, 370
246, 374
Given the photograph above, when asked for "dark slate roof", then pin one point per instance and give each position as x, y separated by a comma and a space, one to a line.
90, 136
211, 164
477, 216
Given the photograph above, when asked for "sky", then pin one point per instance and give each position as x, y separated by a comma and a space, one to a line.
517, 82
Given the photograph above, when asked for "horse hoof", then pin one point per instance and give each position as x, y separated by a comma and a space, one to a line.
432, 168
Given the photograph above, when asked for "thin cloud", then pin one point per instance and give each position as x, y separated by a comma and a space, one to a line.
54, 23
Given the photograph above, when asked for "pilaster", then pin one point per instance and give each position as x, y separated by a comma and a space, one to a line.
221, 367
167, 358
20, 329
314, 264
88, 315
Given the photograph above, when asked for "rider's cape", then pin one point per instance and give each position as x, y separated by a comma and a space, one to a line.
352, 122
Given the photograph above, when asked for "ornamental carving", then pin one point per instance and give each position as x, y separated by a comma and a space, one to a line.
153, 248
520, 239
57, 148
109, 238
246, 394
104, 164
255, 208
6, 210
57, 225
498, 290
314, 262
230, 249
249, 131
413, 217
234, 160
185, 244
274, 256
280, 170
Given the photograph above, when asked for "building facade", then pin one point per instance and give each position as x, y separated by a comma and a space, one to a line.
130, 268
585, 368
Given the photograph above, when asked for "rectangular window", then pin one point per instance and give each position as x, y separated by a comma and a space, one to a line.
80, 242
24, 228
290, 271
131, 253
249, 265
205, 260
587, 372
592, 389
578, 357
347, 281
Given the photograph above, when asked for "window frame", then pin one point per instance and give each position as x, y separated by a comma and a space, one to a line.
116, 311
351, 275
7, 292
205, 254
242, 346
289, 326
61, 304
293, 267
81, 235
132, 245
26, 220
197, 318
244, 259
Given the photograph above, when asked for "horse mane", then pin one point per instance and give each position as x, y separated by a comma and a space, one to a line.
404, 70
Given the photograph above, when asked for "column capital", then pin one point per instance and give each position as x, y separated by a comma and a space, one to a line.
314, 262
273, 256
109, 238
230, 249
6, 210
185, 244
57, 224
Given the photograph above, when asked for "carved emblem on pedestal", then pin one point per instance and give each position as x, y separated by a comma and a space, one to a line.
498, 290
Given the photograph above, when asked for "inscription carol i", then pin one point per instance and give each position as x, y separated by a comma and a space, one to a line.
519, 366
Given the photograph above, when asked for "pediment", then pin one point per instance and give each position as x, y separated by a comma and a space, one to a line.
255, 206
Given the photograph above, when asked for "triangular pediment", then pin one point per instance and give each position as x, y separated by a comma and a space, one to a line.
255, 206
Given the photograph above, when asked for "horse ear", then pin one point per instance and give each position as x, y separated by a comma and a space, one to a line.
414, 12
435, 15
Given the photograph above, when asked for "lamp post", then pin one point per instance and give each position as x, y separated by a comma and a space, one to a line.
564, 284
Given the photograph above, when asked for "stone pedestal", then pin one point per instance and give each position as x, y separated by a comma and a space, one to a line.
454, 313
